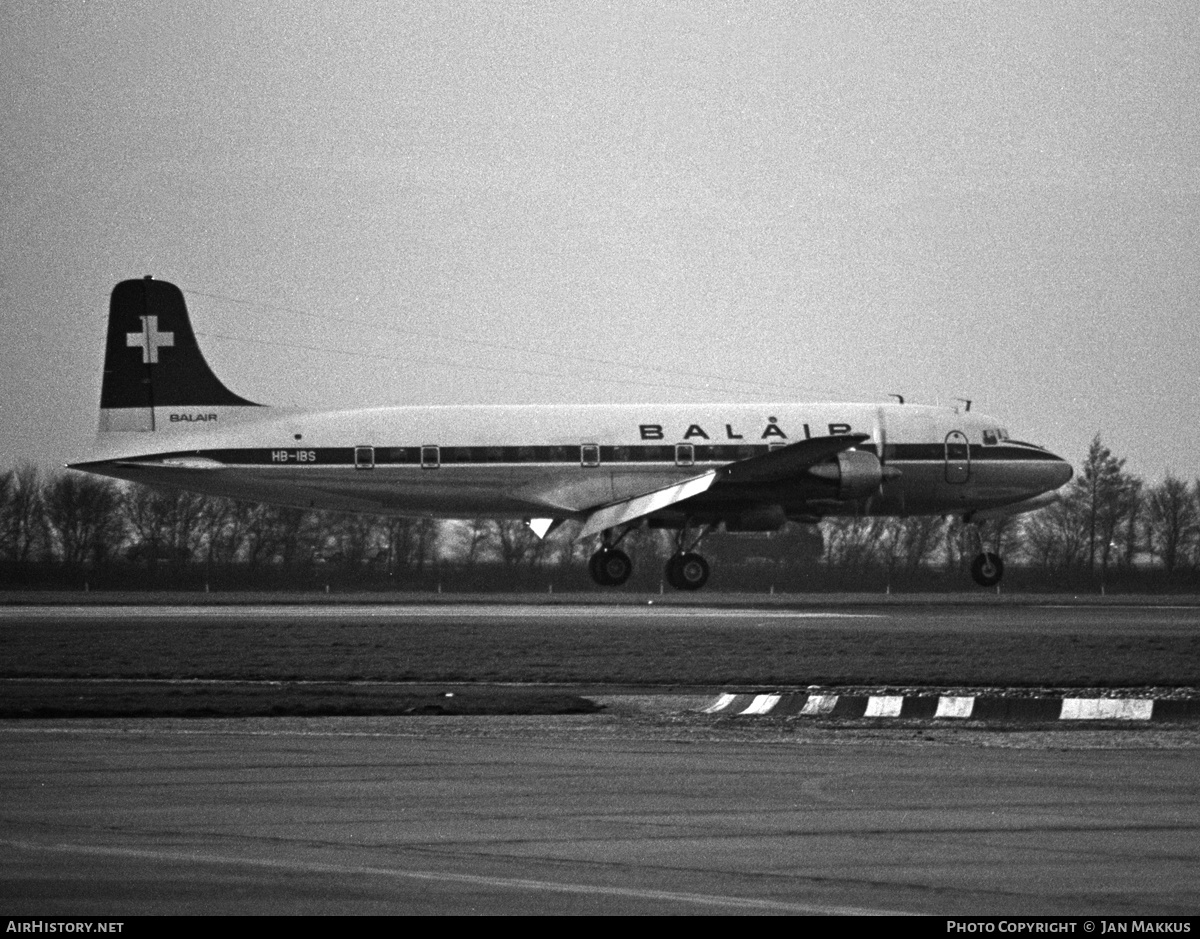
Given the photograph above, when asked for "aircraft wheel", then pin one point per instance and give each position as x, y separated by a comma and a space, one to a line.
610, 568
987, 569
687, 572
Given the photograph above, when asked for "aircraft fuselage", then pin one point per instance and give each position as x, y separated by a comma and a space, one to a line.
559, 461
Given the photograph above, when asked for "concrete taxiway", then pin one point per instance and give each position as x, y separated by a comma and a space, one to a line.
613, 813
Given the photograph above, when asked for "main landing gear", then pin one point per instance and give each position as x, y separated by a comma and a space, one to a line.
610, 567
687, 570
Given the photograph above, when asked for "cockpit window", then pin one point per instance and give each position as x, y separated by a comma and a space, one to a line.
994, 436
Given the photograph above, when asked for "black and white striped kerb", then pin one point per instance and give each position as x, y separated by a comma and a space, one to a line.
953, 707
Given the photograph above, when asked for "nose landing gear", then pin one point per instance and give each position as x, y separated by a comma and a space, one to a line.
987, 568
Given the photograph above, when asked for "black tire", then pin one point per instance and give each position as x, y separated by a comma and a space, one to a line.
596, 568
987, 569
610, 568
687, 572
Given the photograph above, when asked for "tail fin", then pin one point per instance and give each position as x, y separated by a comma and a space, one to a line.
153, 362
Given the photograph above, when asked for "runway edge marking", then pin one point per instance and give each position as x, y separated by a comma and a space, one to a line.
951, 707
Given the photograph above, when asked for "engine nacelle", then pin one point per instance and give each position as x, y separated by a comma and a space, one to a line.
760, 518
858, 474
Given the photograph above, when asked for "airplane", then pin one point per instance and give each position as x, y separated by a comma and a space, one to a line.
167, 420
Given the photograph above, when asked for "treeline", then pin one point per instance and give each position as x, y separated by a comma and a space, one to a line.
1111, 532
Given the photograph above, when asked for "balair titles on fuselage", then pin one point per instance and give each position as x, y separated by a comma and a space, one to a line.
772, 431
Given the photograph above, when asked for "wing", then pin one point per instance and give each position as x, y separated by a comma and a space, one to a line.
777, 465
789, 461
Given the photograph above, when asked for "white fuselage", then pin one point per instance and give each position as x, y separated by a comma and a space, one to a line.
561, 461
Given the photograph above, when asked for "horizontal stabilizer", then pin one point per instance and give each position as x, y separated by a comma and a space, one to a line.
790, 461
620, 513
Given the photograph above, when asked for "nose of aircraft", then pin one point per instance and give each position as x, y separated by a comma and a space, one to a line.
1059, 472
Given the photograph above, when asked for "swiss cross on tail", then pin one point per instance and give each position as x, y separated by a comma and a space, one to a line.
150, 340
151, 316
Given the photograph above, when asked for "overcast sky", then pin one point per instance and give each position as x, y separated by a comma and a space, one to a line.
524, 202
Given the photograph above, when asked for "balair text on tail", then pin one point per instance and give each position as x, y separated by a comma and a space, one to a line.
154, 372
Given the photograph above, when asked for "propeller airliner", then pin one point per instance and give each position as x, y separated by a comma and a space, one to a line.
167, 420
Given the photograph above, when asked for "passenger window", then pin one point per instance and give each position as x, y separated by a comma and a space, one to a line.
430, 458
685, 454
589, 454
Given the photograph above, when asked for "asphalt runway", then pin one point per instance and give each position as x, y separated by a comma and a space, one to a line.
602, 814
903, 614
712, 644
639, 809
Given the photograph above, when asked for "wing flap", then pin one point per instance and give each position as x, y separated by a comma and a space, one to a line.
619, 513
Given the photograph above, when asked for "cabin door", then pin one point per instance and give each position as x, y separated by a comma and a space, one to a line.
958, 457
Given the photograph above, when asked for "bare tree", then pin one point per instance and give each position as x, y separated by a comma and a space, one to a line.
227, 526
410, 543
517, 544
1173, 522
83, 519
167, 524
908, 544
852, 544
572, 553
286, 536
469, 541
1109, 497
1055, 539
1128, 541
22, 515
354, 541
